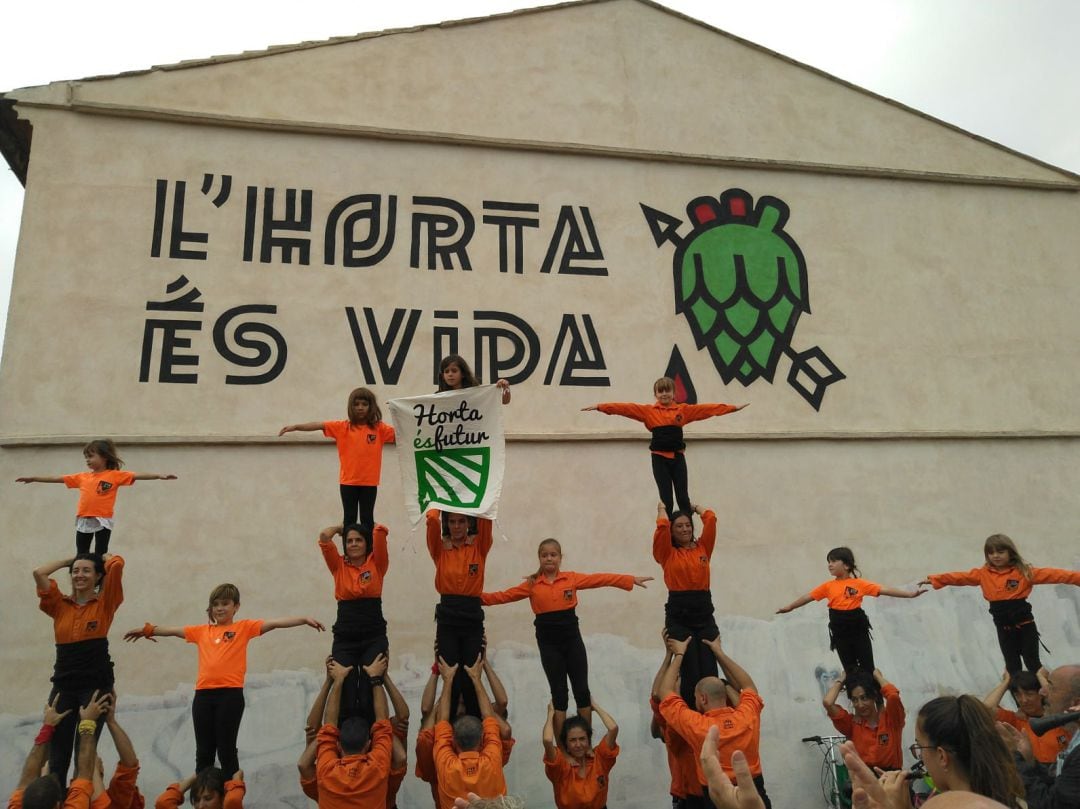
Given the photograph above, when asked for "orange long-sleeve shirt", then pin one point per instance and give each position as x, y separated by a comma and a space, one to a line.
558, 594
120, 794
459, 571
77, 622
740, 729
358, 581
1046, 747
172, 797
681, 758
479, 771
358, 781
575, 791
658, 415
878, 746
685, 568
1008, 584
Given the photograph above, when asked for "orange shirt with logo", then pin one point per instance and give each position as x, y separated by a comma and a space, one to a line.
576, 791
79, 793
172, 797
479, 771
97, 490
359, 450
685, 568
358, 581
658, 415
559, 594
1045, 747
740, 729
77, 622
358, 780
878, 746
845, 594
459, 571
1008, 584
222, 652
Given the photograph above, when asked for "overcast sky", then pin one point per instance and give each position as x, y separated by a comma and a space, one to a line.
1003, 69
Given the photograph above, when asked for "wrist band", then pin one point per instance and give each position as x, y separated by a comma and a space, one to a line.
376, 681
45, 734
148, 630
87, 726
435, 668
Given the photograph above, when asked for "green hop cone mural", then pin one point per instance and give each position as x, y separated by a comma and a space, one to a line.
453, 477
741, 282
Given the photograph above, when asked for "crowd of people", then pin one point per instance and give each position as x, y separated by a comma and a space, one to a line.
706, 707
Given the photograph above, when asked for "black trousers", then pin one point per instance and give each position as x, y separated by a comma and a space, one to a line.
101, 541
460, 645
358, 505
216, 714
1020, 642
63, 741
670, 473
698, 662
850, 634
356, 699
562, 654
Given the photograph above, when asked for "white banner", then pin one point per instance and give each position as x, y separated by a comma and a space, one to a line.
457, 451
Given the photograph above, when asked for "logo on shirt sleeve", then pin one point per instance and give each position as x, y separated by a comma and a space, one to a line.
568, 595
104, 486
474, 569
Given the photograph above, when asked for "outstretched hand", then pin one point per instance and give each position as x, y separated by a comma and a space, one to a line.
314, 624
639, 581
584, 409
52, 716
377, 668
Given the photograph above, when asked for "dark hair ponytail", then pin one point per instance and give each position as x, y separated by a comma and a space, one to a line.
847, 556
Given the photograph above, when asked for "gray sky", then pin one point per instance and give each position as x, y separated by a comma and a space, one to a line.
1003, 69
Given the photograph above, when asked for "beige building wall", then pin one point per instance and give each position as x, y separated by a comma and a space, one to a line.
940, 283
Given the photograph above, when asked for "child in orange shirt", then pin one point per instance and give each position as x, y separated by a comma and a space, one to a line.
665, 420
218, 705
359, 440
97, 493
849, 628
552, 594
578, 772
1006, 581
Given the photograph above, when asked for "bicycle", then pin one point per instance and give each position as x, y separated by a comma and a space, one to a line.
835, 781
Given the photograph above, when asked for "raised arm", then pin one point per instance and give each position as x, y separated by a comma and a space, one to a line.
609, 723
338, 673
676, 652
442, 709
39, 479
503, 385
39, 753
153, 476
499, 699
548, 734
434, 533
992, 700
318, 708
397, 702
589, 581
125, 750
733, 672
655, 690
427, 700
41, 574
801, 601
475, 671
306, 427
87, 742
828, 702
378, 694
896, 592
288, 623
152, 631
961, 578
661, 538
1054, 575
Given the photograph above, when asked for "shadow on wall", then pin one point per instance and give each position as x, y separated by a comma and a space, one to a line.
941, 643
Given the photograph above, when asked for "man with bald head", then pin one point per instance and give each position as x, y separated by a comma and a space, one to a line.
739, 724
1056, 786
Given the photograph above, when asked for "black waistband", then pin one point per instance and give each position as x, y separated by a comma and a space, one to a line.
555, 621
359, 618
848, 618
667, 439
1011, 613
455, 609
83, 664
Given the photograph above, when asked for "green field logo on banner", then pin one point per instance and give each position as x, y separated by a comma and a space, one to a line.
453, 477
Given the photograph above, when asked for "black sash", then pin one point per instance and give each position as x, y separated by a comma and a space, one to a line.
84, 664
667, 439
691, 608
359, 619
453, 610
1011, 614
843, 622
553, 625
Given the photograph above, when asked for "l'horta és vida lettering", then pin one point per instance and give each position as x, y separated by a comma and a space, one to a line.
450, 427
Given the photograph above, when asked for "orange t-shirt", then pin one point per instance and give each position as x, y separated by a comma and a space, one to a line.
359, 450
574, 791
172, 797
681, 758
1005, 585
97, 490
845, 594
359, 780
458, 571
1045, 747
878, 746
77, 622
358, 581
685, 568
79, 794
560, 594
222, 652
479, 771
120, 794
740, 729
658, 415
